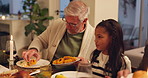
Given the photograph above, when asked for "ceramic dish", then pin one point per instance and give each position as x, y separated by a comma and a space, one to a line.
39, 64
66, 64
69, 74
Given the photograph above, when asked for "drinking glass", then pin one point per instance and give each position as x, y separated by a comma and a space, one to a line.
46, 71
84, 70
8, 48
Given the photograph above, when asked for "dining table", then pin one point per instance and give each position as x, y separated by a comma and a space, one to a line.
135, 56
30, 70
53, 68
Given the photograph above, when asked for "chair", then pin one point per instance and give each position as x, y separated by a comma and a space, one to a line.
127, 31
135, 34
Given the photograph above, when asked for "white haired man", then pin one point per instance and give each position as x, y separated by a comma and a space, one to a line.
71, 36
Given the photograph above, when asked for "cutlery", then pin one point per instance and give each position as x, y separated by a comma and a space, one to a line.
35, 72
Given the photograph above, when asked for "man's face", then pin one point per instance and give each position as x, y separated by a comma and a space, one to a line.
73, 24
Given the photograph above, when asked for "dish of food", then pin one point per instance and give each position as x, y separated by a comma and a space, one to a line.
66, 60
38, 64
140, 74
67, 74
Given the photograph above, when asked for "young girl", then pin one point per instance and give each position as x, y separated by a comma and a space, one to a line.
108, 57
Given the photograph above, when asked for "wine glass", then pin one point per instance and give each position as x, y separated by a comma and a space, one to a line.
8, 48
84, 70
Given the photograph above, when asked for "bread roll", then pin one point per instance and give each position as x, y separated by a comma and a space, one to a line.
140, 74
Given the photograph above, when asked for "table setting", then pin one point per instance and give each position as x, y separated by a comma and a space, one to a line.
43, 69
18, 67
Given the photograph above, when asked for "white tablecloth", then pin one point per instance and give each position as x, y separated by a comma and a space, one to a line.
135, 55
2, 69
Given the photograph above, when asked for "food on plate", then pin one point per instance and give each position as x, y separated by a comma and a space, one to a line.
140, 74
32, 62
21, 74
65, 59
7, 74
27, 64
60, 76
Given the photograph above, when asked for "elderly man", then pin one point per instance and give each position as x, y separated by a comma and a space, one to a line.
71, 36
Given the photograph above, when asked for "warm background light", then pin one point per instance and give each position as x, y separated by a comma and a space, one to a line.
3, 17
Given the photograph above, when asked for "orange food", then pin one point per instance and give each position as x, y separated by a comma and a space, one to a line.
31, 62
140, 74
65, 59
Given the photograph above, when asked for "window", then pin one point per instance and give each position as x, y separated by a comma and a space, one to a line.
133, 20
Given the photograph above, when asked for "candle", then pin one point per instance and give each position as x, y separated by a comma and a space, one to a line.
3, 17
11, 47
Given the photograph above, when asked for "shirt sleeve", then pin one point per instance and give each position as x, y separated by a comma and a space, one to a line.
128, 63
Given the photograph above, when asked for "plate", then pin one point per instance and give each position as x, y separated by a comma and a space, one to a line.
65, 64
39, 64
130, 75
69, 74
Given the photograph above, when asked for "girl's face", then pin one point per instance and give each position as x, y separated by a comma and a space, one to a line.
102, 39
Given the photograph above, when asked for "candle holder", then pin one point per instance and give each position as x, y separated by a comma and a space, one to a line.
11, 64
10, 51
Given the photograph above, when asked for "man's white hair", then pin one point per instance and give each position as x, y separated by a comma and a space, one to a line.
77, 8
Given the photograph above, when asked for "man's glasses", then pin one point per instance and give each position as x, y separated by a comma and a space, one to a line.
71, 24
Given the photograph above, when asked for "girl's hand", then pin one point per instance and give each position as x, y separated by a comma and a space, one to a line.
123, 73
83, 60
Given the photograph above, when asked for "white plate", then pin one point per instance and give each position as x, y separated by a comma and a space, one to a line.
69, 74
130, 75
65, 64
40, 63
3, 69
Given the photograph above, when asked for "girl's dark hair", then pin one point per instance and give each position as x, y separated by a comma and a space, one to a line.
144, 64
116, 48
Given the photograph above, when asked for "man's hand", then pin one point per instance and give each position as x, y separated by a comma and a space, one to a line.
29, 53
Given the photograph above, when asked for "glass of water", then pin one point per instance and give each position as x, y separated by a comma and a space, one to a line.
84, 70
